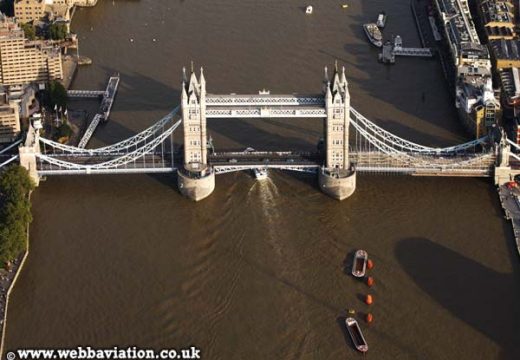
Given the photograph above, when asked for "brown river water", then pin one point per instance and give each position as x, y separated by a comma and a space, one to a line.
260, 270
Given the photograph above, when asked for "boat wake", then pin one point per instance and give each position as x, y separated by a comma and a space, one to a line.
264, 194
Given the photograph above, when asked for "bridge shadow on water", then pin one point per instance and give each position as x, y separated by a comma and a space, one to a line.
482, 297
247, 134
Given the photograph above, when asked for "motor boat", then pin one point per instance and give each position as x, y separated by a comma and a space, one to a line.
360, 263
260, 174
356, 335
374, 34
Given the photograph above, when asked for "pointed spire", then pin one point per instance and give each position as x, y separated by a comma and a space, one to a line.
326, 78
184, 95
336, 65
343, 76
184, 77
202, 79
192, 66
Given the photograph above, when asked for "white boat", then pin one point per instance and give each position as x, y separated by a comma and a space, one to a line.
374, 34
308, 10
356, 335
260, 174
381, 20
360, 263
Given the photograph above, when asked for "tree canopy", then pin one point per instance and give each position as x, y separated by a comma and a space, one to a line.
15, 211
57, 31
29, 30
56, 95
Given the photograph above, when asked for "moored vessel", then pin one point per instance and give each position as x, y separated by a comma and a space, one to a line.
360, 263
381, 20
356, 335
374, 34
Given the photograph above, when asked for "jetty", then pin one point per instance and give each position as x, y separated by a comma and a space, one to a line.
107, 101
413, 52
391, 50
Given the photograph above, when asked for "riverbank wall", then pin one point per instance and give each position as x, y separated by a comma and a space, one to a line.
510, 200
11, 281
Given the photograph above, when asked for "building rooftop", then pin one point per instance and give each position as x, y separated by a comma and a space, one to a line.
506, 49
497, 11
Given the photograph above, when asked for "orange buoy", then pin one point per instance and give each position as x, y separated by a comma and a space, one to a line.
370, 264
369, 299
370, 281
369, 318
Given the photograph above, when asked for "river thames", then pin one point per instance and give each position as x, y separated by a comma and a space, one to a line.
260, 270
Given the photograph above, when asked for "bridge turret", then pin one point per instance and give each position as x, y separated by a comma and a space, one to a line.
28, 152
503, 171
194, 120
337, 105
196, 179
337, 177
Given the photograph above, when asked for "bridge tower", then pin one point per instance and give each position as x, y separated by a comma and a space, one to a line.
27, 153
196, 179
503, 172
337, 177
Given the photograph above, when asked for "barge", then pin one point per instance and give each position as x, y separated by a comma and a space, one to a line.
356, 334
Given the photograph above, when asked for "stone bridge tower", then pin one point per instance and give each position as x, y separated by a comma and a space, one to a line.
337, 177
28, 152
196, 179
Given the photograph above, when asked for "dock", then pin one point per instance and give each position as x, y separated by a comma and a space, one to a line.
90, 131
510, 200
85, 93
413, 52
391, 50
109, 96
107, 101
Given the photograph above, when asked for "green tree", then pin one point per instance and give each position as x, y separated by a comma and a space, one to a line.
29, 30
57, 31
15, 211
56, 95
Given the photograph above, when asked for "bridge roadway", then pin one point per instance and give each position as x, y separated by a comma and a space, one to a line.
150, 163
365, 162
469, 165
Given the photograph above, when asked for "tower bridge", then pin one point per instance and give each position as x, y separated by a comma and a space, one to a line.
352, 144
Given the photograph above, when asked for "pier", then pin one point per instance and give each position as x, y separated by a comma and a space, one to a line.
391, 50
109, 96
107, 102
413, 52
85, 93
90, 131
